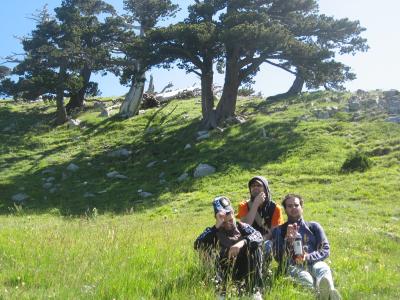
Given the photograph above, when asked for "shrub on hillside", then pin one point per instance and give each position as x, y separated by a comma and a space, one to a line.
356, 162
245, 91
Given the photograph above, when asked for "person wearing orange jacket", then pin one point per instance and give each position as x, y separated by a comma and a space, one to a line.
261, 212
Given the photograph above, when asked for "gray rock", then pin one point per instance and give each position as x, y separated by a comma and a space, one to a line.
19, 198
72, 167
354, 104
393, 119
150, 130
151, 164
112, 174
120, 153
393, 106
391, 93
145, 194
115, 174
105, 113
236, 120
50, 179
88, 195
204, 136
74, 123
162, 181
53, 190
304, 118
99, 105
162, 175
321, 114
183, 177
47, 185
49, 171
120, 176
203, 170
202, 132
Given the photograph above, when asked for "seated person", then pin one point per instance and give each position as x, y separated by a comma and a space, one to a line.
301, 247
260, 211
238, 248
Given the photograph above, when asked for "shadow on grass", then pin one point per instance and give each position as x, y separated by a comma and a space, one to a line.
239, 147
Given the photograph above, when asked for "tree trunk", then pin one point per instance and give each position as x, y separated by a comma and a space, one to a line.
130, 106
150, 89
294, 90
227, 104
61, 117
207, 97
77, 100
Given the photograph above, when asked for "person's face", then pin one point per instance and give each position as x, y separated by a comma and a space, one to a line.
293, 209
256, 187
229, 221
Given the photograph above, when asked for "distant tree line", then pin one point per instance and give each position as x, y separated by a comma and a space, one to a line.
83, 37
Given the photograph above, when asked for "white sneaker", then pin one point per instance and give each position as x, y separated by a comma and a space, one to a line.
221, 296
257, 296
324, 289
334, 295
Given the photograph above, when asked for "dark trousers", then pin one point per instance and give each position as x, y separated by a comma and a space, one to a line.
247, 267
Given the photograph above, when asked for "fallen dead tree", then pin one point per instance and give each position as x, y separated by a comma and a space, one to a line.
185, 93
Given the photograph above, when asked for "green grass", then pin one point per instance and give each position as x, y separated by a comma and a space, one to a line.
119, 245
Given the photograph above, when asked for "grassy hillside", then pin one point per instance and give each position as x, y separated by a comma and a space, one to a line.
82, 235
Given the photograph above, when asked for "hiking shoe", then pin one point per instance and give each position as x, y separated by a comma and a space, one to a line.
334, 295
324, 289
257, 296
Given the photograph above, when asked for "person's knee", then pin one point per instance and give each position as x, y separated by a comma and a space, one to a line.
305, 279
320, 265
321, 268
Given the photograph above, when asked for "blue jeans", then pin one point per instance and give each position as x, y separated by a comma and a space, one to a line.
310, 276
268, 248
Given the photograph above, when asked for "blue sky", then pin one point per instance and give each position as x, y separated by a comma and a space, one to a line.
376, 69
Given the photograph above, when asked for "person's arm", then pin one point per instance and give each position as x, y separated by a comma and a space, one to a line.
323, 248
206, 240
252, 237
250, 216
235, 249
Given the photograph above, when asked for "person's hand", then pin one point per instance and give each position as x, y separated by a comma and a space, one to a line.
299, 260
291, 232
220, 217
259, 199
235, 249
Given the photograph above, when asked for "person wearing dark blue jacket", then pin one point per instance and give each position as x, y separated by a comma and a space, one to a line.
309, 268
236, 246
